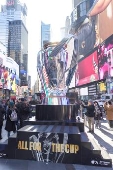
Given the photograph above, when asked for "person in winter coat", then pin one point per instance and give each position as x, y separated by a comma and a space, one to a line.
2, 112
90, 113
109, 113
23, 111
10, 125
98, 114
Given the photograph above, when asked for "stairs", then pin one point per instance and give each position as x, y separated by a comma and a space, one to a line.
55, 139
93, 154
12, 145
57, 142
3, 153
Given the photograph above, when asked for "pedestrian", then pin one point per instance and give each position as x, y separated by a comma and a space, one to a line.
23, 111
109, 113
90, 113
10, 125
83, 111
2, 112
97, 115
77, 108
6, 108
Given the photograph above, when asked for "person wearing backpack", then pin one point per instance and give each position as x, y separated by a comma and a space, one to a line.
10, 124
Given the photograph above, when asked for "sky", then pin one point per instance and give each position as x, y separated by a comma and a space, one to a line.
52, 12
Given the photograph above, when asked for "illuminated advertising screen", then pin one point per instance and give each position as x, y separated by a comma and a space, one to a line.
91, 32
99, 6
105, 58
87, 70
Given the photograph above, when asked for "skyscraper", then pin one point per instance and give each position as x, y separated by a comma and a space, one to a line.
4, 24
65, 30
75, 3
14, 34
45, 33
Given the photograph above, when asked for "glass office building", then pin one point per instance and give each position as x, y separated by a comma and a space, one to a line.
14, 34
45, 33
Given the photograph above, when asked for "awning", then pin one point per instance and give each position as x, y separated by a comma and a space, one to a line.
60, 45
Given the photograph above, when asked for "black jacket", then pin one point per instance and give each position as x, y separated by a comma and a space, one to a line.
2, 112
10, 125
90, 110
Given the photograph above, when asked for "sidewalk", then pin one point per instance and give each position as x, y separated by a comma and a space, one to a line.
103, 136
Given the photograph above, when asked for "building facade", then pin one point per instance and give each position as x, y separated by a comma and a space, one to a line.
45, 33
18, 47
62, 32
66, 29
75, 2
15, 35
4, 24
67, 26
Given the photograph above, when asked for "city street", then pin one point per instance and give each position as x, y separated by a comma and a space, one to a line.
104, 137
56, 85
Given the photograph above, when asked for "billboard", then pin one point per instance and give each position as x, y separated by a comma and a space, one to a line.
95, 29
12, 65
24, 71
9, 71
104, 16
105, 58
87, 70
99, 6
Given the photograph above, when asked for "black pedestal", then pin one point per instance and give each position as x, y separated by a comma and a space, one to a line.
33, 121
53, 137
49, 143
55, 112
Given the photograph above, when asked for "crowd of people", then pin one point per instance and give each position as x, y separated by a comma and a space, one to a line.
14, 112
93, 114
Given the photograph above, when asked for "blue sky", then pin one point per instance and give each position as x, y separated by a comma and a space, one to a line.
52, 12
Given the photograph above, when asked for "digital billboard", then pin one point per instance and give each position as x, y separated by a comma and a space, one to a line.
99, 6
94, 29
87, 70
105, 58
